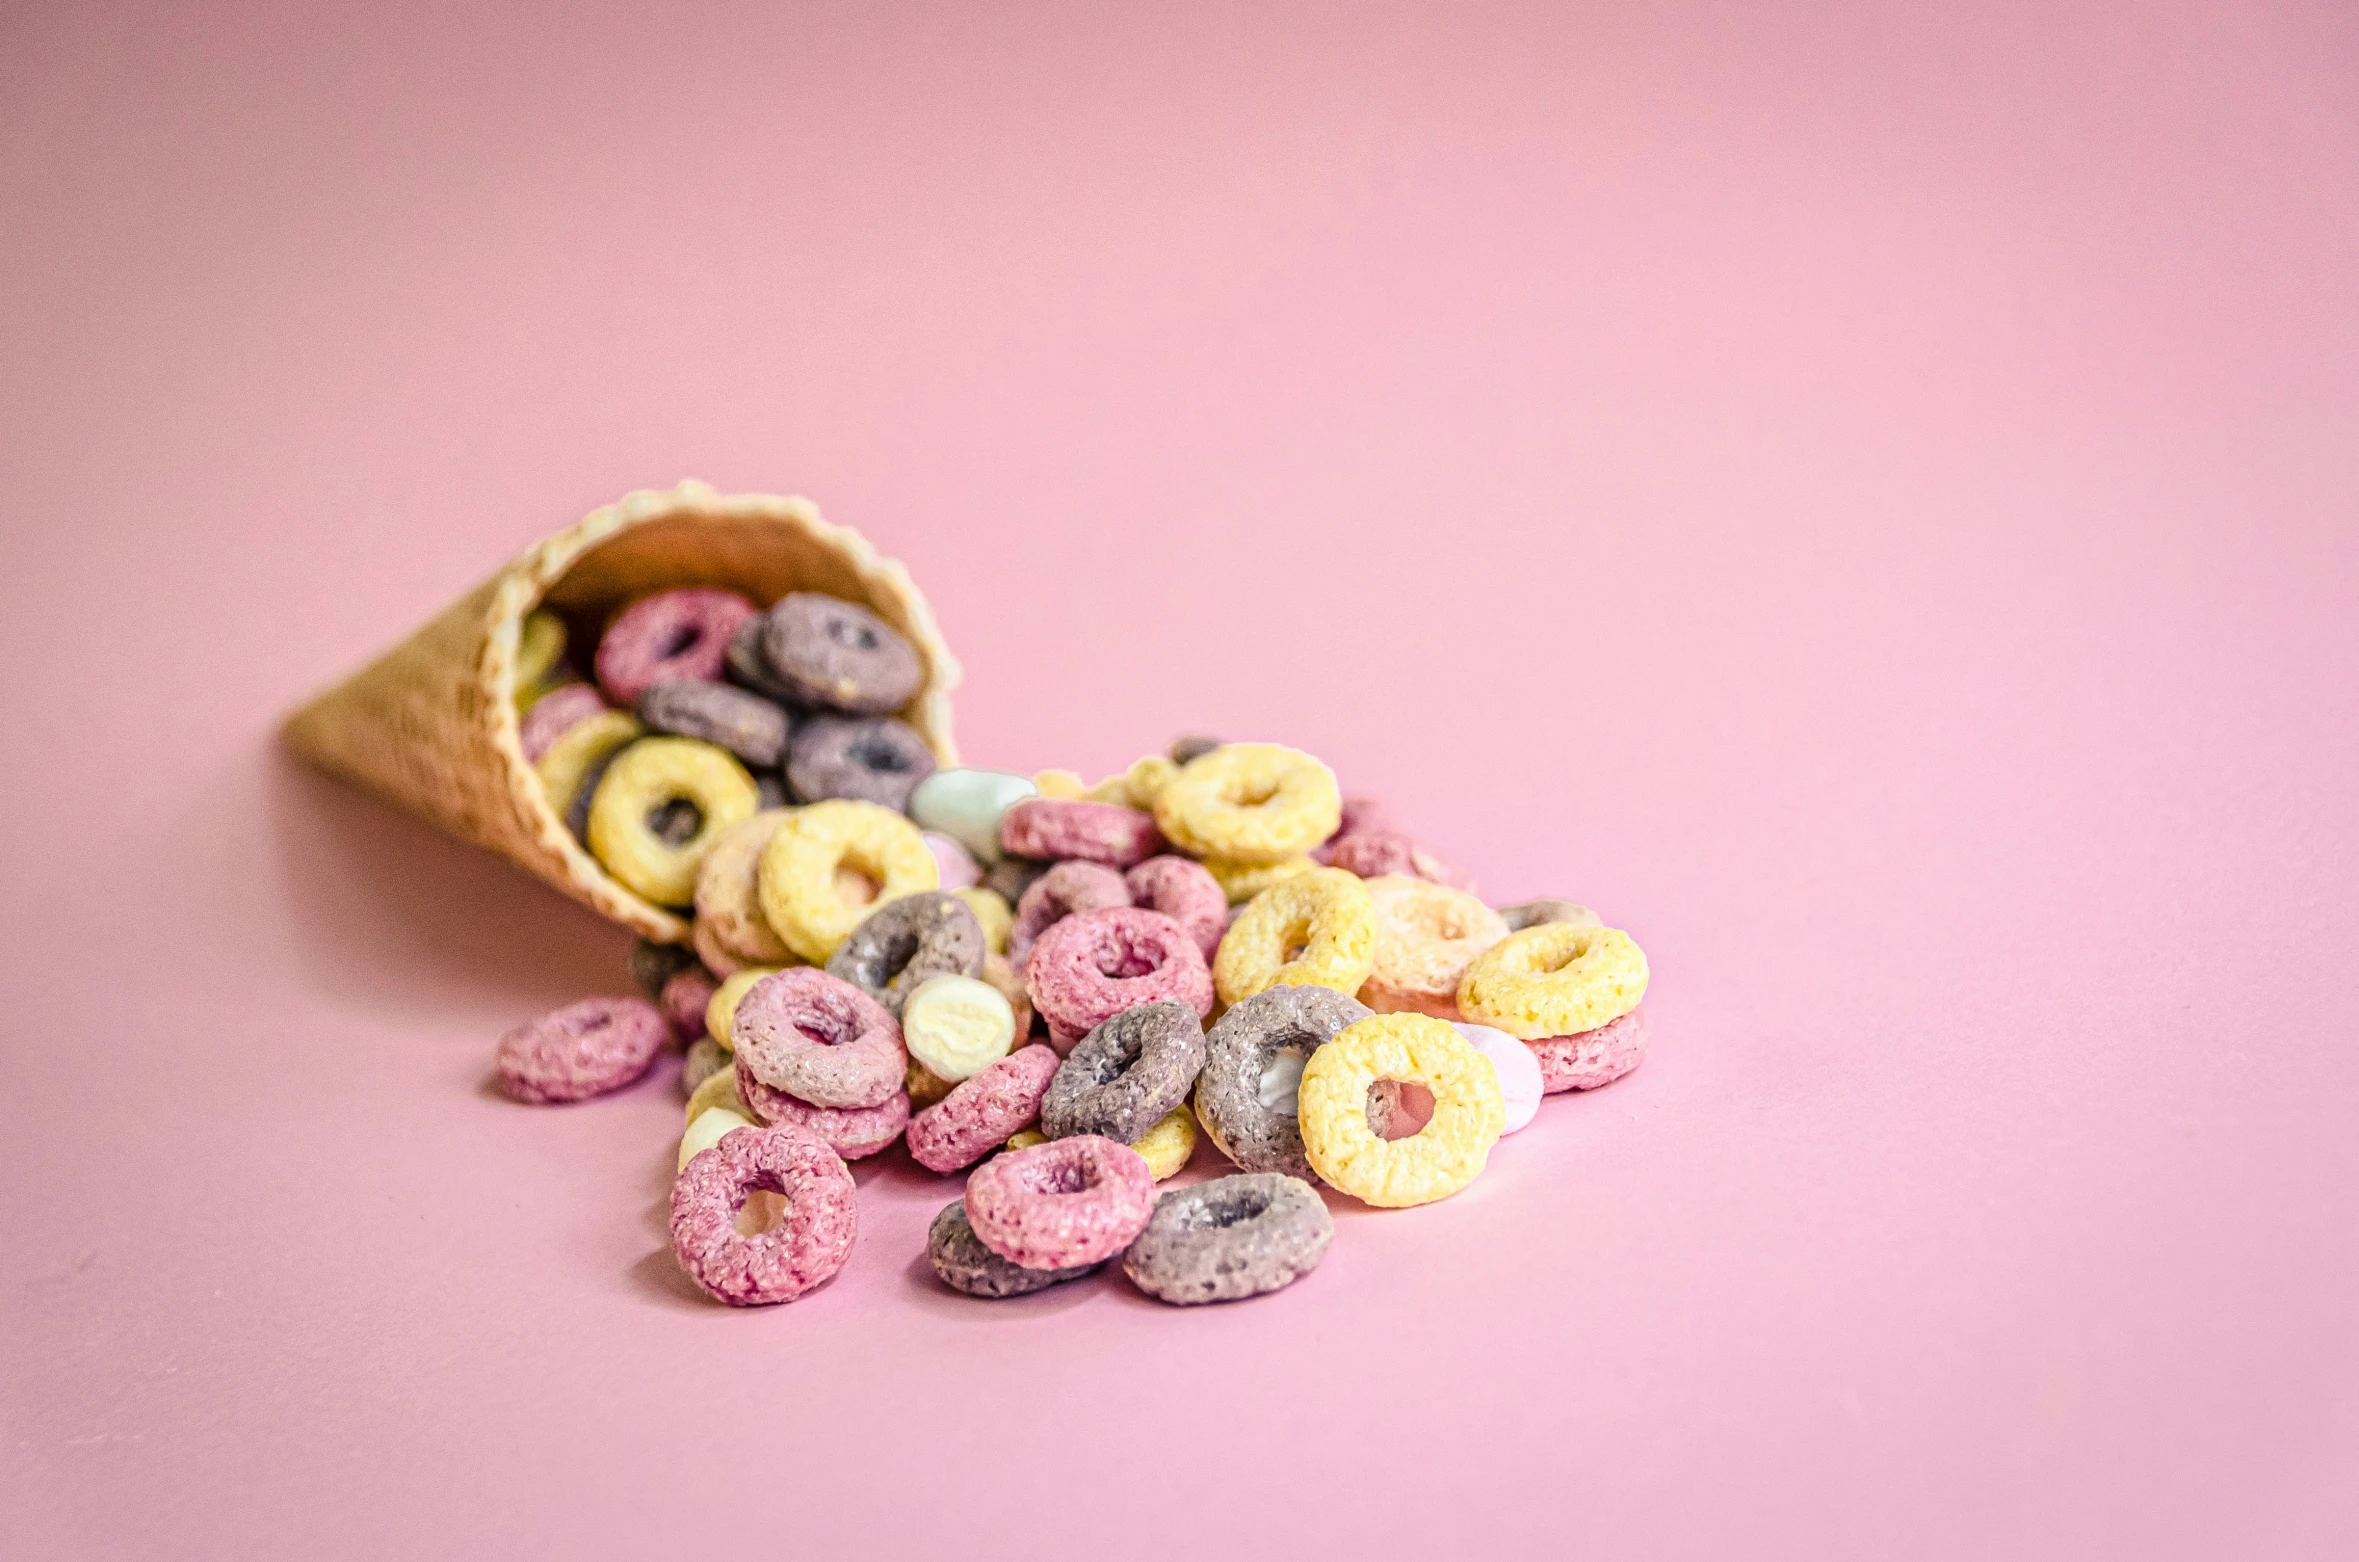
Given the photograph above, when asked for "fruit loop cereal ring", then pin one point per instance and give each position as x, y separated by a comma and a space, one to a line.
581, 748
1253, 1060
1426, 937
1379, 853
1469, 1112
749, 669
967, 805
796, 882
540, 646
721, 1010
1067, 1202
653, 964
1535, 913
1063, 828
873, 759
1063, 785
712, 956
553, 715
1067, 888
909, 941
963, 1263
816, 1216
1230, 1238
707, 1131
957, 1026
1555, 979
648, 777
706, 1057
1522, 1079
1165, 1147
726, 901
1250, 802
1139, 786
669, 637
1588, 1059
830, 652
850, 1131
1242, 881
978, 1115
718, 1090
992, 912
809, 1034
1317, 929
752, 728
1126, 1075
582, 1050
1095, 964
953, 863
686, 996
1186, 893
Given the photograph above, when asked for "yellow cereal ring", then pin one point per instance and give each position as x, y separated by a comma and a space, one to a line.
540, 646
1169, 1143
1318, 929
1146, 779
718, 1091
1250, 802
797, 879
577, 752
721, 1007
706, 1131
1469, 1110
1241, 881
1059, 783
728, 911
1026, 1138
1557, 979
1426, 936
647, 776
992, 910
925, 1087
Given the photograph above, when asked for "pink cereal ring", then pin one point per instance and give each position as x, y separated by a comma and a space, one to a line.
1592, 1057
670, 637
582, 1050
1361, 815
850, 1131
1095, 964
982, 1112
1064, 827
1057, 894
555, 713
1374, 853
818, 1037
1185, 891
1061, 1204
687, 994
817, 1219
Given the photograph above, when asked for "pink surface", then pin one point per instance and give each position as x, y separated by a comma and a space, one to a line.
1870, 503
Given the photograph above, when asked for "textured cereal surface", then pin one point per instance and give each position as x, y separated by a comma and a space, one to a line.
1250, 802
1057, 894
726, 899
1065, 829
582, 1050
1126, 1075
1426, 937
1325, 913
1230, 1238
647, 775
979, 1114
804, 1249
1184, 891
964, 1264
1254, 1132
797, 878
580, 748
1060, 1204
1242, 881
907, 942
851, 1132
1095, 964
1469, 1112
721, 1011
1554, 979
1167, 1146
819, 1038
1592, 1058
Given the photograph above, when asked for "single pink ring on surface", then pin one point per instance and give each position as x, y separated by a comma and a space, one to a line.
582, 1050
850, 1131
687, 994
816, 1216
1593, 1057
819, 1037
1057, 894
1060, 828
1095, 964
553, 714
981, 1112
670, 637
1060, 1204
1185, 891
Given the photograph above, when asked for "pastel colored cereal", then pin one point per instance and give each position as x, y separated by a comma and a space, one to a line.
670, 636
708, 1129
1185, 892
796, 882
1588, 1059
1064, 1203
1095, 964
581, 748
906, 942
687, 995
1165, 1146
717, 1090
1250, 803
964, 1264
1242, 881
1067, 888
979, 1113
997, 917
957, 1026
953, 863
1060, 784
1247, 1054
967, 805
1377, 853
752, 728
1554, 979
1230, 1238
721, 1010
803, 1246
1009, 877
540, 649
553, 715
850, 1131
653, 964
820, 1038
582, 1050
1192, 746
1532, 913
1522, 1080
1469, 1111
654, 775
873, 759
1316, 929
1426, 937
1126, 1075
923, 1086
835, 653
705, 1058
748, 668
1063, 828
728, 902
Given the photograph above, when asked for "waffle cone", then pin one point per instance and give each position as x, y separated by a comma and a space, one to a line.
432, 723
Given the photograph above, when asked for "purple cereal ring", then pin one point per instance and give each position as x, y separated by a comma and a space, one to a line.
980, 1113
1360, 816
1061, 1204
1374, 853
817, 1216
871, 759
850, 1131
667, 637
1057, 894
814, 1036
1064, 827
826, 651
1593, 1057
582, 1050
1185, 891
553, 714
1095, 964
752, 728
686, 994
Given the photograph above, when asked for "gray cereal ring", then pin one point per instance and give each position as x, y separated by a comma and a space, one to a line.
653, 964
965, 1264
872, 760
1230, 1238
1240, 1050
750, 668
1532, 913
752, 728
907, 942
1126, 1075
826, 651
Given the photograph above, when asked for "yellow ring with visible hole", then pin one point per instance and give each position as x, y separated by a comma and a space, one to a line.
1557, 979
797, 879
1469, 1110
1325, 911
646, 775
1250, 802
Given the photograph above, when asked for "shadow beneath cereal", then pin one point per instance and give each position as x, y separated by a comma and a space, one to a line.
659, 1277
925, 1288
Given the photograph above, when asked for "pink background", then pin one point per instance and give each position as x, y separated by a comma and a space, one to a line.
1869, 500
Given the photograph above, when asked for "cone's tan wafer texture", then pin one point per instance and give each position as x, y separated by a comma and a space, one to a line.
432, 723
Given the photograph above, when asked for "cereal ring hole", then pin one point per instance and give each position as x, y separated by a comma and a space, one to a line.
877, 755
855, 887
761, 1212
675, 821
683, 638
1281, 1081
1228, 1207
852, 634
1123, 959
1398, 1108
